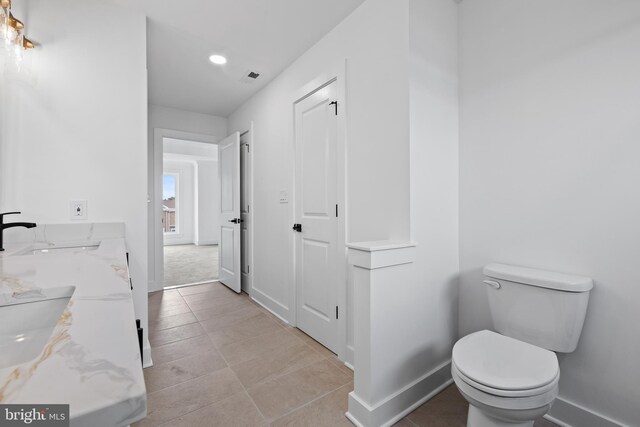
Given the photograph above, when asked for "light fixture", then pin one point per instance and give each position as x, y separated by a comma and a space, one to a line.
12, 33
218, 59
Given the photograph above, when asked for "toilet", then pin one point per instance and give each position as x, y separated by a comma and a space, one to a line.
510, 377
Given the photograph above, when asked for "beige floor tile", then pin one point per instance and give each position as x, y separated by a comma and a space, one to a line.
166, 302
155, 297
165, 375
340, 364
281, 395
215, 292
235, 411
190, 290
172, 402
212, 321
179, 349
241, 330
251, 348
541, 422
405, 422
164, 311
218, 306
322, 350
172, 321
213, 299
275, 363
328, 411
448, 408
166, 336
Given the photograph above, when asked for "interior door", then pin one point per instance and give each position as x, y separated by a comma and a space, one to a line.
230, 220
316, 213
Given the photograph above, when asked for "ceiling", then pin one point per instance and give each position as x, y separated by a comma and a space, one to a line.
263, 36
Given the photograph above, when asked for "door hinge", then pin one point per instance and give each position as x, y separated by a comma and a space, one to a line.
248, 149
336, 104
248, 269
337, 313
336, 211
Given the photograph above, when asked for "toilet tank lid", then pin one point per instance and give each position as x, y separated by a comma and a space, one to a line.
541, 278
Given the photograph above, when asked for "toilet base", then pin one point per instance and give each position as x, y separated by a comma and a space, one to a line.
477, 418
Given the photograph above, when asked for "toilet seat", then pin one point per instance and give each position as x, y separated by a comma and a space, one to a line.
504, 366
505, 393
481, 398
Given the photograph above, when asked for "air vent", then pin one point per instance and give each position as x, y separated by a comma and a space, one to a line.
249, 76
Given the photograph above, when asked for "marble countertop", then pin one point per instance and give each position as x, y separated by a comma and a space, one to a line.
91, 360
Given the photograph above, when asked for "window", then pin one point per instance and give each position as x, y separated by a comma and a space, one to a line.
170, 203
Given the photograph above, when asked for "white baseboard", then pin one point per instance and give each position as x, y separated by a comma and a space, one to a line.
261, 304
401, 403
206, 242
271, 304
569, 414
146, 355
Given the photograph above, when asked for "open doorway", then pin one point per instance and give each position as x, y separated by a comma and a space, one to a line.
189, 212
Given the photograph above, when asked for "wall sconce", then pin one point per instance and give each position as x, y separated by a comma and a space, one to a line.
12, 33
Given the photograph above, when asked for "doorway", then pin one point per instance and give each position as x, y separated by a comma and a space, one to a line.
187, 252
189, 212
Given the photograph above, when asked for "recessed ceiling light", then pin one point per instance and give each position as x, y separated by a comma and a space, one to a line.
218, 59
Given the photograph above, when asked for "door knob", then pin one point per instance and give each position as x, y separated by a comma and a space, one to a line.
236, 220
297, 227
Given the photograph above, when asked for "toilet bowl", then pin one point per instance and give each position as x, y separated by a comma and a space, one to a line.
510, 377
507, 382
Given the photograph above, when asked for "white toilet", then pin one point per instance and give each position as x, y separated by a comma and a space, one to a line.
510, 378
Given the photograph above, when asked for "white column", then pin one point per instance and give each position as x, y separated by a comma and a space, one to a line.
386, 383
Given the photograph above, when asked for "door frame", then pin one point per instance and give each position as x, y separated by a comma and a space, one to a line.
336, 72
252, 264
156, 237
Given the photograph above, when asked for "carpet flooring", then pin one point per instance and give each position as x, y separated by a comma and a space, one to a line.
186, 264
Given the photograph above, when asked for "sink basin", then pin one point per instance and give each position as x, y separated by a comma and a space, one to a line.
27, 322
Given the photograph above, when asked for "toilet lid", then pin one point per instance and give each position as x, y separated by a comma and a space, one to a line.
504, 363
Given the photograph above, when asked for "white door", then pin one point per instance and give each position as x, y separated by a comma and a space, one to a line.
245, 210
229, 246
316, 213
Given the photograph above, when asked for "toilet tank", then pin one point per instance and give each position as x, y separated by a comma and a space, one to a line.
540, 307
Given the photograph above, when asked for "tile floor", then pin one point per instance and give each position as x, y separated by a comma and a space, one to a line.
222, 360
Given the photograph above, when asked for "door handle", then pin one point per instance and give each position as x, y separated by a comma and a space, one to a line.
236, 220
297, 227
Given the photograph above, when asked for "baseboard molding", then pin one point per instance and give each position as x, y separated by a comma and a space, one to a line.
270, 304
400, 404
261, 304
206, 243
569, 414
349, 355
146, 355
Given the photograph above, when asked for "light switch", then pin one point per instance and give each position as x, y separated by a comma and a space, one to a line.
78, 210
284, 196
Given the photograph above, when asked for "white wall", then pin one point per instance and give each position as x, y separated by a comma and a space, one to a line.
207, 203
550, 96
186, 214
374, 42
434, 181
77, 130
176, 120
198, 202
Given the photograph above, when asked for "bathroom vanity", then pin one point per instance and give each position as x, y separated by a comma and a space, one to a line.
68, 331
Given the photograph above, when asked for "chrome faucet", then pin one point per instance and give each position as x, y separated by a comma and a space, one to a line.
4, 226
